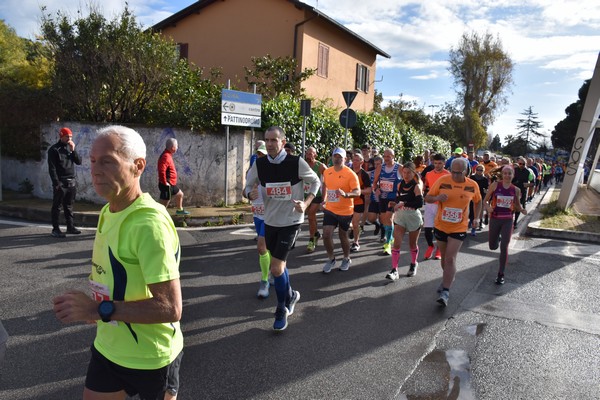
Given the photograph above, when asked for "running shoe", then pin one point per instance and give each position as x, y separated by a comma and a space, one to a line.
292, 302
310, 247
328, 266
412, 271
354, 247
281, 315
473, 231
443, 299
387, 248
345, 264
393, 275
182, 212
429, 252
438, 254
500, 280
362, 229
58, 234
73, 231
263, 290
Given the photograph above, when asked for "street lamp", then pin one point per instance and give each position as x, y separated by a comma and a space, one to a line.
432, 107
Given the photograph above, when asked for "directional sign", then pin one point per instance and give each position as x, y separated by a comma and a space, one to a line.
240, 108
348, 118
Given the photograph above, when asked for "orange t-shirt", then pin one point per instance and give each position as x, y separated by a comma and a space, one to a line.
432, 176
333, 180
487, 167
453, 214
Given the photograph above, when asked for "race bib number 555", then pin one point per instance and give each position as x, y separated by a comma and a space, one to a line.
279, 190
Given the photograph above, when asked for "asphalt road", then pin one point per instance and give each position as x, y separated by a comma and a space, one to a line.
353, 335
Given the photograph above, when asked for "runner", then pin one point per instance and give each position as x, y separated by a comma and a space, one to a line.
522, 178
386, 183
431, 208
501, 201
279, 177
454, 192
318, 167
407, 217
359, 202
373, 210
264, 258
483, 184
341, 187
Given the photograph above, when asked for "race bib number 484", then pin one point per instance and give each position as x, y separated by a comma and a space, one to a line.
279, 190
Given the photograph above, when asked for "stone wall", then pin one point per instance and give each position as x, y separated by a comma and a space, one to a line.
200, 163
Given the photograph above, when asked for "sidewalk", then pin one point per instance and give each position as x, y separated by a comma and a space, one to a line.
21, 206
586, 202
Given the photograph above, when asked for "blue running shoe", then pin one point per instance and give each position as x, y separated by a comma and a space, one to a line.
292, 302
281, 314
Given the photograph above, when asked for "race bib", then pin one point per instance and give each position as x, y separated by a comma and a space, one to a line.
258, 209
279, 190
452, 215
504, 201
100, 292
386, 186
333, 196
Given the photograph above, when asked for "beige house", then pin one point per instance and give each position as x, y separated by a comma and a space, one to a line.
228, 33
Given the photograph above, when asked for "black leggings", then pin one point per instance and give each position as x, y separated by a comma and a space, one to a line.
429, 236
500, 229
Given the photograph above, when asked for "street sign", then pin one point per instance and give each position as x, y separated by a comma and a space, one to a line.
349, 97
240, 108
348, 118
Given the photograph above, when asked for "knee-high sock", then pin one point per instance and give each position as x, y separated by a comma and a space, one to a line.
282, 288
289, 285
264, 260
388, 233
413, 255
429, 236
395, 258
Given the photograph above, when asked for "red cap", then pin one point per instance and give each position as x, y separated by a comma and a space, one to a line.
65, 132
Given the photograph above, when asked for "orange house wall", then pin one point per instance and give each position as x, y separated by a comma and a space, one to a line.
228, 33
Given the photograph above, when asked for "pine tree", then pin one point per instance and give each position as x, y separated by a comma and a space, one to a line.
529, 129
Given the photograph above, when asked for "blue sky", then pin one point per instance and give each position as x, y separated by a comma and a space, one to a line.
553, 43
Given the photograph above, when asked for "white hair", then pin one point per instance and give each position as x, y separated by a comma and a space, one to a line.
132, 144
462, 161
170, 143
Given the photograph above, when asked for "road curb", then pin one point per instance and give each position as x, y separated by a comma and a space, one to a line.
535, 229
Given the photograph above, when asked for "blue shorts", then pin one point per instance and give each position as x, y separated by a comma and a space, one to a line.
259, 225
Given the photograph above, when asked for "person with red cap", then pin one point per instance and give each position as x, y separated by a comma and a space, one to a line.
62, 158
